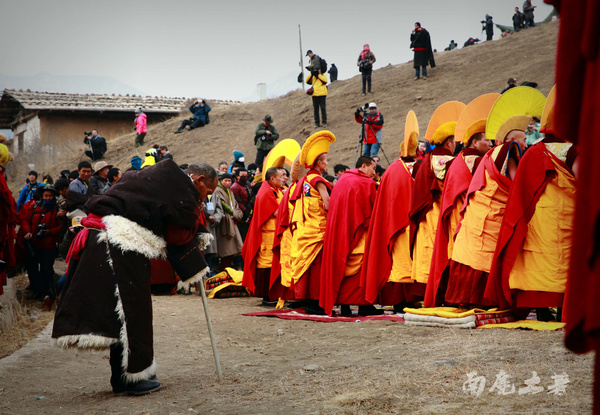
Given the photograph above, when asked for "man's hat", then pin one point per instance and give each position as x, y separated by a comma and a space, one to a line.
446, 113
521, 100
408, 148
100, 165
309, 51
512, 80
268, 119
35, 173
138, 111
474, 117
315, 145
372, 105
50, 188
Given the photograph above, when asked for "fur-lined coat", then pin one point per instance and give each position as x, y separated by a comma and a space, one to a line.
150, 213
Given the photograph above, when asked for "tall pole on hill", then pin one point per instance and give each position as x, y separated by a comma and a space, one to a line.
301, 57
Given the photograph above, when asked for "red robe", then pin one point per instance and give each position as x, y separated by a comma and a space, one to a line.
276, 290
456, 185
389, 219
264, 207
350, 207
577, 108
8, 220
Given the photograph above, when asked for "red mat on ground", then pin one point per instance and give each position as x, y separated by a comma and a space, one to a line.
298, 314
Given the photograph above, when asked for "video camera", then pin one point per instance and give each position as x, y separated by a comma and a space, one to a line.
87, 133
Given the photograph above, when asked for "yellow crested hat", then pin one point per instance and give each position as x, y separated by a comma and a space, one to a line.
443, 131
470, 119
547, 122
516, 122
408, 148
315, 145
522, 100
448, 111
282, 154
5, 155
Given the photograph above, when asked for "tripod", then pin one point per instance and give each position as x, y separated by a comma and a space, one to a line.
362, 135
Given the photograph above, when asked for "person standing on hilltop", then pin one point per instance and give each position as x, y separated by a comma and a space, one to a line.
365, 62
488, 25
333, 72
265, 136
420, 42
140, 127
319, 89
518, 20
528, 11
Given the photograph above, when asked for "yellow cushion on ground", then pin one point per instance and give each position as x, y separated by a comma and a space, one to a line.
527, 324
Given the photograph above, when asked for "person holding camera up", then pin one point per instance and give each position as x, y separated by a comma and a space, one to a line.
365, 62
488, 26
200, 109
41, 228
265, 136
372, 124
97, 144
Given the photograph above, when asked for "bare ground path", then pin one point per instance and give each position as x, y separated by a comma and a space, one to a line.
274, 366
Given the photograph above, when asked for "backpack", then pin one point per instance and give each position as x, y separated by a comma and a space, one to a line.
323, 66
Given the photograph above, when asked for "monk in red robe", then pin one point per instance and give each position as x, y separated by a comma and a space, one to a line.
258, 247
425, 203
577, 97
456, 185
477, 234
350, 208
387, 264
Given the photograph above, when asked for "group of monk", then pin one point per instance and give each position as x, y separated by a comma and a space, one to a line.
489, 226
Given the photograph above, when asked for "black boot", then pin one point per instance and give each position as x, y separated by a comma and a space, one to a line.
369, 310
399, 308
117, 379
345, 310
314, 308
544, 314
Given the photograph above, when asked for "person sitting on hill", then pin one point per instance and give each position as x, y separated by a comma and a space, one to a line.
453, 45
471, 41
200, 109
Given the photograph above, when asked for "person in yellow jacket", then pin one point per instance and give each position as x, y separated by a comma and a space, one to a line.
319, 96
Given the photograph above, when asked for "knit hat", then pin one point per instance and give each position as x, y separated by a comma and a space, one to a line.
237, 155
372, 105
138, 111
136, 162
35, 173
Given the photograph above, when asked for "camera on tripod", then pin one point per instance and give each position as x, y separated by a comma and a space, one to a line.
87, 133
364, 109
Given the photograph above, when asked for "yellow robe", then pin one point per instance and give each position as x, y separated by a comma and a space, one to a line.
265, 254
308, 223
285, 249
543, 263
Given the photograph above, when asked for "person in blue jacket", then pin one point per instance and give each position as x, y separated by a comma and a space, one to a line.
200, 109
29, 189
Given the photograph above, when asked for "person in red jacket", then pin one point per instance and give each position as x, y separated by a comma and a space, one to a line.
41, 228
140, 127
371, 133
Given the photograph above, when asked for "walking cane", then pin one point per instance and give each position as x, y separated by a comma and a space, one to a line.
210, 331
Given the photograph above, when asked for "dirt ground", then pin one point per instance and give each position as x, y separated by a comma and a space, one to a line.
275, 366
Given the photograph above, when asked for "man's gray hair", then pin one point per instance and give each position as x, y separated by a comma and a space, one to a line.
202, 169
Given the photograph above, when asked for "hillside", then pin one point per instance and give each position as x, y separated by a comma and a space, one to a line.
460, 75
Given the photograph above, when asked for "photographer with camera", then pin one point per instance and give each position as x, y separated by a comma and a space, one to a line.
365, 62
41, 228
372, 123
200, 109
488, 26
97, 145
265, 136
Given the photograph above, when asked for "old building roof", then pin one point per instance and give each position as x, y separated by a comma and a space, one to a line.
16, 103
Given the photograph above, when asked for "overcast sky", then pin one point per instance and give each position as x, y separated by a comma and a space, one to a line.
223, 48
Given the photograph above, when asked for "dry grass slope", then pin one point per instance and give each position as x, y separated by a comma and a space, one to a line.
460, 75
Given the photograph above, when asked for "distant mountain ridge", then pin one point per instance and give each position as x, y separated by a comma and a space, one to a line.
77, 84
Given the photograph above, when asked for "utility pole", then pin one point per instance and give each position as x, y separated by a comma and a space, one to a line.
301, 58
